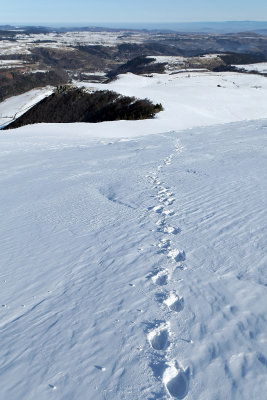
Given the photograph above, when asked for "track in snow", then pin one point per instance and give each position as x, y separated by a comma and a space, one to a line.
173, 376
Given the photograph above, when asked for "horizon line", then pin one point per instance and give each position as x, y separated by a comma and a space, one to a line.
134, 22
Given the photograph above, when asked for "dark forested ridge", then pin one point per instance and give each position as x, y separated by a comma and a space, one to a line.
138, 65
69, 104
13, 83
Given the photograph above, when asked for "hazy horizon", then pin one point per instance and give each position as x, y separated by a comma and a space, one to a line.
220, 26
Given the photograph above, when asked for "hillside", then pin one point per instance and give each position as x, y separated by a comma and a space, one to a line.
32, 57
133, 253
69, 104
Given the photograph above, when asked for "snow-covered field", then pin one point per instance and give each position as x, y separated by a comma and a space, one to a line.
178, 62
25, 42
11, 63
132, 253
189, 100
259, 67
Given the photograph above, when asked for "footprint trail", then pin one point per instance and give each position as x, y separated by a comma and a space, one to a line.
174, 377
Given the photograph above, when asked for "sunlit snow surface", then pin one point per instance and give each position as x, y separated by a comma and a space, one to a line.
13, 107
25, 43
259, 67
133, 268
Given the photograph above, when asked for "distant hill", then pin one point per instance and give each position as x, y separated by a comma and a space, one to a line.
198, 27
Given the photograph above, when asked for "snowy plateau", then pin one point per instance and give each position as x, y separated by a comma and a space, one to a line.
133, 262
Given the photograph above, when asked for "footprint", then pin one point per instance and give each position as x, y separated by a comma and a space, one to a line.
170, 201
161, 297
169, 194
157, 209
163, 191
164, 244
177, 255
164, 194
178, 147
103, 369
176, 381
158, 338
160, 222
161, 278
168, 212
171, 229
174, 302
162, 199
167, 162
167, 201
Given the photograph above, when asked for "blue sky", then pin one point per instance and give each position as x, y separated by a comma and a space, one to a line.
122, 11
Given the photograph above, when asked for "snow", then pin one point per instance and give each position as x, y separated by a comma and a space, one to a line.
177, 64
8, 62
133, 264
189, 100
35, 71
174, 60
11, 66
259, 67
9, 47
171, 60
211, 56
14, 106
65, 41
98, 73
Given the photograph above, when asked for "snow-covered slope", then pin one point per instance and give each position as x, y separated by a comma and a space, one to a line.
259, 67
189, 99
13, 107
134, 268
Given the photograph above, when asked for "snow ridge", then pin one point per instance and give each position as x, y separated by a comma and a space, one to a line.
174, 376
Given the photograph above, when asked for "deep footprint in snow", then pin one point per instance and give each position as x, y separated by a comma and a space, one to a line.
169, 201
171, 229
168, 212
168, 160
157, 209
161, 278
174, 302
100, 368
164, 245
162, 199
163, 191
158, 338
160, 223
176, 381
161, 297
177, 255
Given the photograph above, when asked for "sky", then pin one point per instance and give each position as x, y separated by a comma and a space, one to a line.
132, 11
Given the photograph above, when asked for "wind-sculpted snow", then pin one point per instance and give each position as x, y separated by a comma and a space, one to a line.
107, 290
